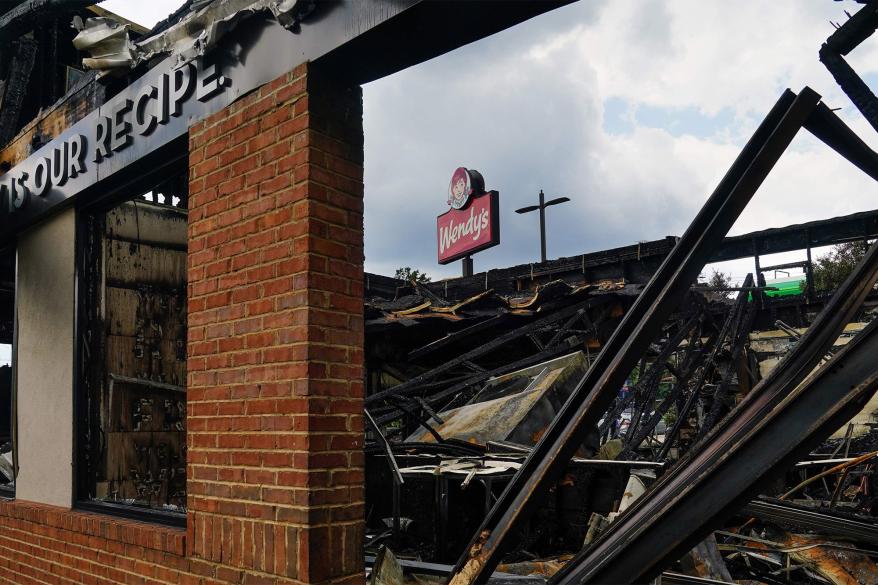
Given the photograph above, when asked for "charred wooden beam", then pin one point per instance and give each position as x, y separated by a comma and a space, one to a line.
16, 87
772, 510
643, 321
695, 355
653, 375
20, 19
845, 39
856, 226
743, 325
637, 432
635, 263
515, 334
455, 337
825, 232
830, 129
741, 305
776, 423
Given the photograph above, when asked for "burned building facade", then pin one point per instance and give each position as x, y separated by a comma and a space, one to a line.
206, 388
182, 286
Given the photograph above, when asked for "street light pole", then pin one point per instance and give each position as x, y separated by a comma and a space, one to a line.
542, 209
542, 227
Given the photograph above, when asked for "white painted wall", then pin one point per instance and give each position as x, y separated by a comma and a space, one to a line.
45, 304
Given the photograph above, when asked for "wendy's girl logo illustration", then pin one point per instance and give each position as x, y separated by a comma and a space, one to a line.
464, 185
472, 224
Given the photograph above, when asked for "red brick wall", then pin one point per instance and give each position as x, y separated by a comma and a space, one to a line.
276, 332
47, 544
274, 421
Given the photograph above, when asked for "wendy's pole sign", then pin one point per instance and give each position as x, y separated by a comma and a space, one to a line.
472, 223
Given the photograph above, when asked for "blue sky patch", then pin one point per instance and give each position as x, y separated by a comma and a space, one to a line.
621, 117
617, 117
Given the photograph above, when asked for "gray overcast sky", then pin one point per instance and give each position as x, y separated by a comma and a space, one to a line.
633, 108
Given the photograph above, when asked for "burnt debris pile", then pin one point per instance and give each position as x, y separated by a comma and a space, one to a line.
607, 419
461, 390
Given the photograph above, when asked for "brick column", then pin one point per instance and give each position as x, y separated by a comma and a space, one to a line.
275, 429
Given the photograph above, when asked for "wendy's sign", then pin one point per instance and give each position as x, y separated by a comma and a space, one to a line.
472, 223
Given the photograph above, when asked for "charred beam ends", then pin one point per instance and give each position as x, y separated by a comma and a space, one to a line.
831, 524
855, 30
829, 128
31, 12
852, 85
774, 424
856, 226
736, 326
413, 384
594, 394
848, 36
16, 87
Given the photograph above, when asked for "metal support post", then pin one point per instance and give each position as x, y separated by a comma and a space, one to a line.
467, 266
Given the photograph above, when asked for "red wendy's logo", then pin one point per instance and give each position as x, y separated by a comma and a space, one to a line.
464, 184
472, 223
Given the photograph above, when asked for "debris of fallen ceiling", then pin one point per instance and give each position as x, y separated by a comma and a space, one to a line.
460, 393
610, 431
489, 390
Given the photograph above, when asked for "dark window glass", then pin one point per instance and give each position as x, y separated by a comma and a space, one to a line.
7, 326
133, 352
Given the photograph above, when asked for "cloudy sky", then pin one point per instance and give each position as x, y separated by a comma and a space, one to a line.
632, 108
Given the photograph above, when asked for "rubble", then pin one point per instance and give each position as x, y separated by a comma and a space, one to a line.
463, 405
460, 430
574, 429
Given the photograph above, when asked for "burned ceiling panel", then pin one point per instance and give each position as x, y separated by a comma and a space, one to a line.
43, 87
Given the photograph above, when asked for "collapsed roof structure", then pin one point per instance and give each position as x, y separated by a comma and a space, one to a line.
634, 427
462, 388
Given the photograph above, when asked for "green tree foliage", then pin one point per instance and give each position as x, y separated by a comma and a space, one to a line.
719, 280
407, 274
831, 270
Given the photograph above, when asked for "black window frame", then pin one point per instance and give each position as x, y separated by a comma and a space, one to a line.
138, 177
8, 491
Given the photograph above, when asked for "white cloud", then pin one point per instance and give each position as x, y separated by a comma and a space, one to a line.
526, 107
143, 13
710, 54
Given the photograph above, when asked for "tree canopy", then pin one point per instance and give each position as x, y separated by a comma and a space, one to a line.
408, 274
832, 269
